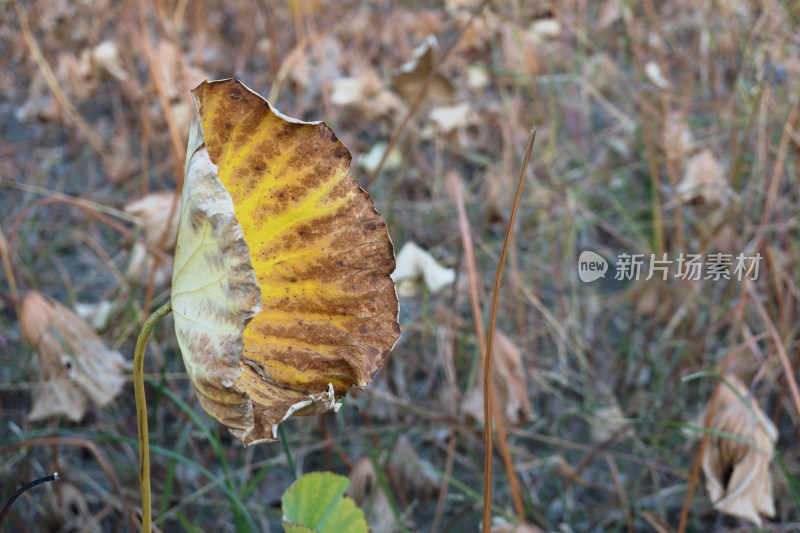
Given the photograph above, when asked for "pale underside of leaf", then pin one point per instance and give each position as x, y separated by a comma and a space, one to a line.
213, 293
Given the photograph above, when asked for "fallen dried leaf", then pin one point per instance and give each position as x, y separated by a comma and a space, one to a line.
737, 473
281, 289
545, 29
609, 421
499, 525
367, 94
676, 138
413, 263
480, 34
410, 78
601, 71
74, 77
654, 299
414, 476
366, 491
653, 72
40, 104
157, 227
75, 366
704, 180
177, 76
141, 262
510, 390
370, 161
477, 77
608, 14
103, 61
154, 211
725, 239
520, 51
120, 164
456, 5
97, 314
495, 193
447, 119
71, 510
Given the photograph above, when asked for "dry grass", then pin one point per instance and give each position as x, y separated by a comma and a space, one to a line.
624, 95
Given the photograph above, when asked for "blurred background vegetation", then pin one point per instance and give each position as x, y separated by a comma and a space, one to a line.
663, 127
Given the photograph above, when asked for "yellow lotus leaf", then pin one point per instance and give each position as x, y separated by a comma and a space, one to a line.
281, 288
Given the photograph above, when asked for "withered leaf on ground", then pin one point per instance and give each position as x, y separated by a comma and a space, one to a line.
415, 477
159, 229
103, 61
501, 526
609, 422
154, 211
367, 93
414, 263
654, 73
281, 287
676, 137
704, 180
75, 365
449, 118
510, 390
520, 54
737, 473
410, 78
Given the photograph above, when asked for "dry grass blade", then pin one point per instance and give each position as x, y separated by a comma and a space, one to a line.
52, 82
784, 357
487, 377
49, 193
169, 116
448, 470
89, 210
8, 268
777, 171
473, 275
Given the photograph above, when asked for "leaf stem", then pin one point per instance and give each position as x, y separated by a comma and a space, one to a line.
289, 460
19, 491
141, 411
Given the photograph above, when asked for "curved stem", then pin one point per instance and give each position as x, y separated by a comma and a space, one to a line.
141, 411
45, 479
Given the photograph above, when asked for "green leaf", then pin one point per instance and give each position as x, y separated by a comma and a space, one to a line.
316, 503
291, 527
